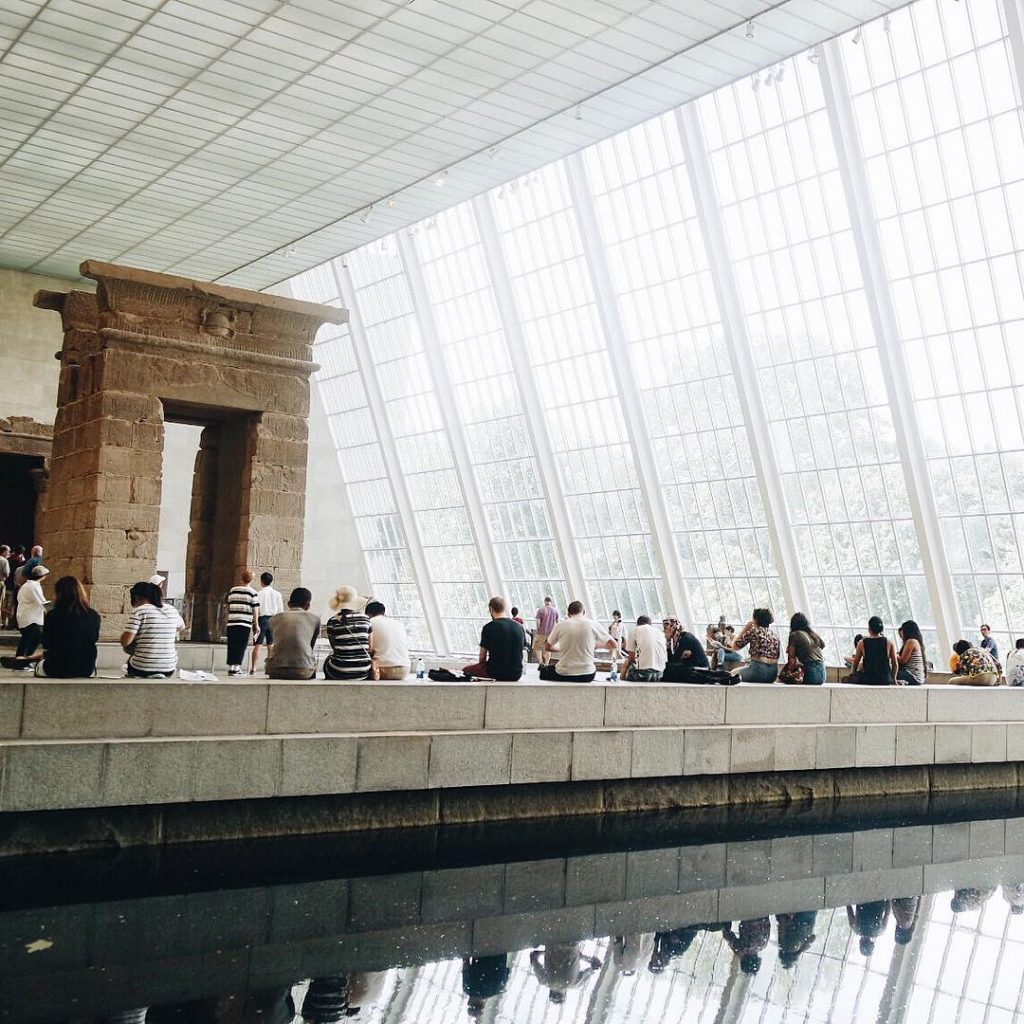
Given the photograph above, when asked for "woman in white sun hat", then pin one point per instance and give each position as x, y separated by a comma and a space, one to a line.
31, 609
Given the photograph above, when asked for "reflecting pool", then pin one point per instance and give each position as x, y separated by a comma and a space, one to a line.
861, 913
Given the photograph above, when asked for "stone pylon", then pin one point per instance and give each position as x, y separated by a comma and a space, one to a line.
150, 347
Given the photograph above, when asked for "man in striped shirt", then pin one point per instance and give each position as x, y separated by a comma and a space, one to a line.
243, 604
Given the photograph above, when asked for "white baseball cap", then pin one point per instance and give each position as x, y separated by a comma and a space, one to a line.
157, 580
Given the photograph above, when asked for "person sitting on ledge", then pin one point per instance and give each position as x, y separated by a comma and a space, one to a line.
501, 647
719, 638
295, 633
1015, 664
913, 666
70, 631
684, 653
574, 639
389, 643
764, 648
874, 663
848, 658
804, 648
646, 653
975, 666
150, 635
349, 634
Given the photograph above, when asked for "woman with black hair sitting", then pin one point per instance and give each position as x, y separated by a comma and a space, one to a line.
70, 631
151, 634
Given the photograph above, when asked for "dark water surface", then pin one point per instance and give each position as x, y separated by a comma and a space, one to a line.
909, 910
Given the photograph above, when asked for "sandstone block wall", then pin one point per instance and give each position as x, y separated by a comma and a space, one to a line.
150, 347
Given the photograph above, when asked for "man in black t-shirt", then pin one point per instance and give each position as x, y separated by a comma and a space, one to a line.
501, 646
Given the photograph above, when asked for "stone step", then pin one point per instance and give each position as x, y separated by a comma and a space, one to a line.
49, 774
32, 708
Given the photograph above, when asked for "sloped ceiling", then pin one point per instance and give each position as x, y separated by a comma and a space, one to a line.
246, 140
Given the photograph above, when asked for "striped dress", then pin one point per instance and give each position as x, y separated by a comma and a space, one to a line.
915, 665
349, 636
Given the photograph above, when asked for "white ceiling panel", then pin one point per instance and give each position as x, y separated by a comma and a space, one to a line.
246, 140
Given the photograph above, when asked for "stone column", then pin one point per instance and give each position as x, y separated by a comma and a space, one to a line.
148, 347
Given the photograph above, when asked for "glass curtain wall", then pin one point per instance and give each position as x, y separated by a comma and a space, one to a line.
937, 111
578, 383
679, 369
486, 397
937, 117
813, 350
340, 386
411, 404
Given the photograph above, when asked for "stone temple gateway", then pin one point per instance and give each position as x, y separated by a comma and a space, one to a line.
150, 348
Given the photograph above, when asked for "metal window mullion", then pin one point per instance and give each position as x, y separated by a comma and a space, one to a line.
533, 413
1014, 12
877, 289
741, 360
446, 400
648, 478
392, 464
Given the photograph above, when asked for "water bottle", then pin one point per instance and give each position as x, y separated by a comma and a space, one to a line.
613, 676
421, 669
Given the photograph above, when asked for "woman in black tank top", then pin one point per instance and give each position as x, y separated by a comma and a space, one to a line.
875, 663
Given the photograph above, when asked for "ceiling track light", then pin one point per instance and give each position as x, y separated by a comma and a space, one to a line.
814, 56
755, 83
366, 214
492, 151
442, 179
750, 30
391, 203
579, 111
780, 72
887, 24
857, 35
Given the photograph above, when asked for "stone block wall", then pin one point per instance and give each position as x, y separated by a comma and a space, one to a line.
148, 347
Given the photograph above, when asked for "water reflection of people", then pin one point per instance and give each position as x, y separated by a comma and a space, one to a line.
966, 900
326, 999
1014, 895
748, 942
630, 951
796, 934
669, 945
868, 920
905, 911
484, 977
562, 969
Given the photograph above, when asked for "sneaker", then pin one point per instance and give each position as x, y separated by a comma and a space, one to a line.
232, 671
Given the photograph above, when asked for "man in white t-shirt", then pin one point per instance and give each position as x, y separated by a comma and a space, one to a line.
271, 604
646, 653
1015, 665
574, 640
389, 643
